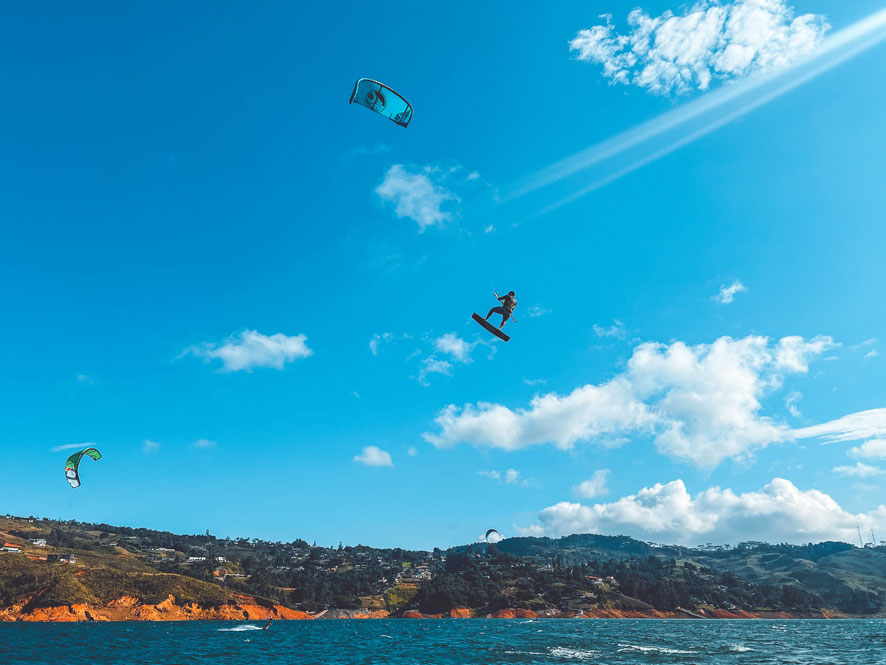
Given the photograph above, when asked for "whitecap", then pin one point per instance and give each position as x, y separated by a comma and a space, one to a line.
627, 648
237, 629
573, 654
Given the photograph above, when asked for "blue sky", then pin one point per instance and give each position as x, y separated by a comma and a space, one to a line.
207, 249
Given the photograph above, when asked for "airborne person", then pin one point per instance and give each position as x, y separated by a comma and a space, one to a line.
508, 305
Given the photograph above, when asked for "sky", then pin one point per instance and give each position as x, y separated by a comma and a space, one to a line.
255, 299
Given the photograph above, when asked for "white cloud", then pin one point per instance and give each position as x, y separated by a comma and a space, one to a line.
791, 403
859, 470
374, 456
376, 340
537, 310
72, 446
675, 53
535, 382
473, 175
594, 486
455, 346
205, 444
617, 329
149, 446
489, 228
412, 451
728, 292
432, 365
779, 512
416, 195
250, 349
699, 403
873, 353
869, 424
509, 476
873, 449
85, 379
863, 345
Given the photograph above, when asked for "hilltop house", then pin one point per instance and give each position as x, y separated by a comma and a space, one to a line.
194, 559
66, 558
37, 542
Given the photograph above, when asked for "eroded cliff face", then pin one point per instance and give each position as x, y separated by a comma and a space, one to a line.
246, 608
127, 608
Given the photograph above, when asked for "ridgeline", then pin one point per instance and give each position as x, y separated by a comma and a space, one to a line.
53, 570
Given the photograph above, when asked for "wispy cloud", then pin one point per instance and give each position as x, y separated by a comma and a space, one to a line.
674, 53
149, 446
374, 456
859, 470
790, 403
250, 349
205, 444
593, 486
72, 446
417, 195
535, 382
537, 310
509, 477
728, 292
617, 329
433, 365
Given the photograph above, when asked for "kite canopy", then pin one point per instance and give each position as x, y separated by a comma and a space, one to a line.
380, 98
490, 538
72, 466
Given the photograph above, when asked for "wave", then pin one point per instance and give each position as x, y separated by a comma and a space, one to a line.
573, 654
738, 648
628, 648
237, 629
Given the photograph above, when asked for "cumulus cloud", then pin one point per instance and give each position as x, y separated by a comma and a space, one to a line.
699, 403
728, 292
617, 329
873, 449
374, 456
416, 195
859, 470
250, 349
674, 53
594, 486
666, 512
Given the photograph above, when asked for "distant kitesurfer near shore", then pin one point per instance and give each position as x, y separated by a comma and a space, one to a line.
268, 624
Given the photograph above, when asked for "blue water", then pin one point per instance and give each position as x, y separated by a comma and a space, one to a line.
449, 642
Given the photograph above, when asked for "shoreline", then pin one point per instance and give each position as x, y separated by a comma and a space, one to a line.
128, 608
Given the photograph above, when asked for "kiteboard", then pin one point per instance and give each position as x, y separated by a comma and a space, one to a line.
491, 328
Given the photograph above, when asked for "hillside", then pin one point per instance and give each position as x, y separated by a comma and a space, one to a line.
56, 570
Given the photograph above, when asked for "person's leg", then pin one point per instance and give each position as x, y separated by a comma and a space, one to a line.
495, 310
505, 315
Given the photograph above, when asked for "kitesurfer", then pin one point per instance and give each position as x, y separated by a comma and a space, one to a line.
508, 305
268, 624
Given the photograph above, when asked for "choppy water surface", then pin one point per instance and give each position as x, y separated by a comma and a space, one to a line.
450, 642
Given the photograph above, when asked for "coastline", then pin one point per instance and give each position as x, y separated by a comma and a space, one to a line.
247, 608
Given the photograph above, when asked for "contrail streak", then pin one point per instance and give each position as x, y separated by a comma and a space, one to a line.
836, 49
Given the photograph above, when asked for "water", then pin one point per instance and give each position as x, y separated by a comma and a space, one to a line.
449, 642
